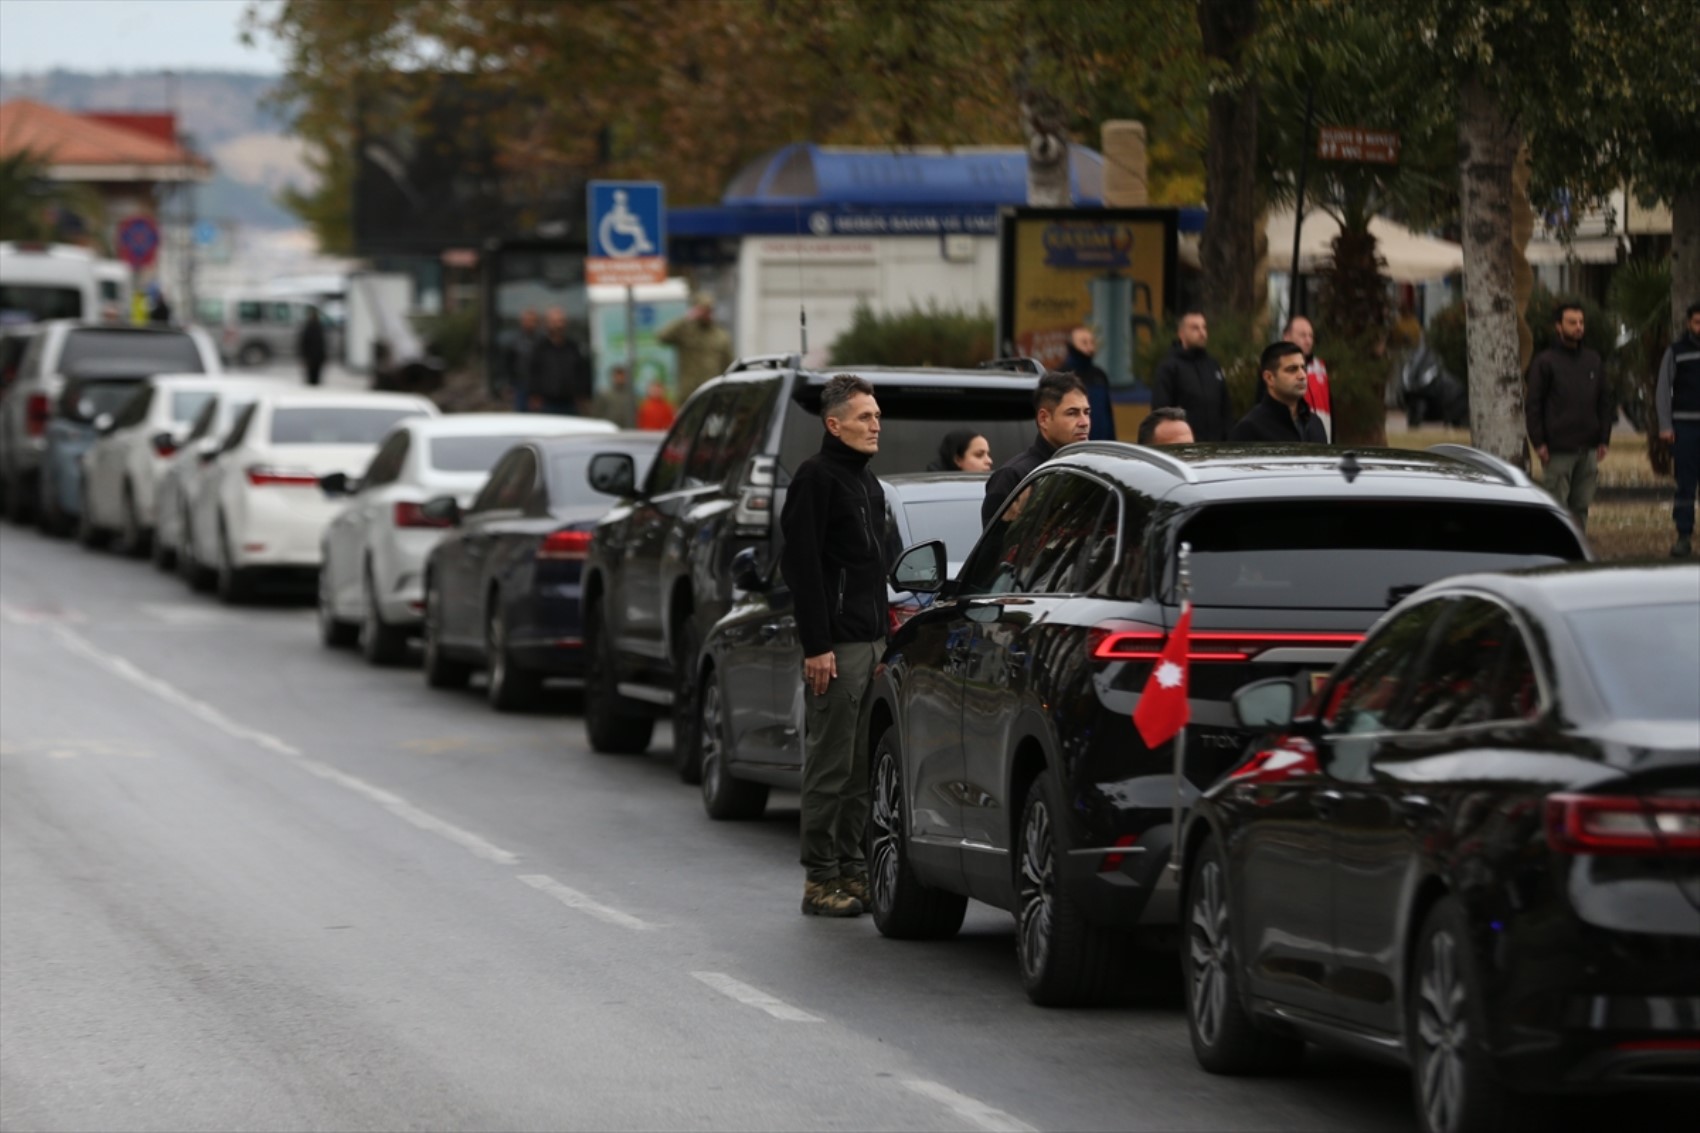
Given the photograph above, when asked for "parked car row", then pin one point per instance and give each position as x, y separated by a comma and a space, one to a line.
1425, 810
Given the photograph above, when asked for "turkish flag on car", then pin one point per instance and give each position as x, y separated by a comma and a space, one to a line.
1162, 710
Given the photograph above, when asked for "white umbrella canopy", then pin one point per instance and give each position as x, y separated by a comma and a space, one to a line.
1410, 257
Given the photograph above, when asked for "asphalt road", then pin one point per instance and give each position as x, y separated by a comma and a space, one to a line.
247, 884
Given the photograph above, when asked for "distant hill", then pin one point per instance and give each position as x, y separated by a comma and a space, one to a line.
224, 116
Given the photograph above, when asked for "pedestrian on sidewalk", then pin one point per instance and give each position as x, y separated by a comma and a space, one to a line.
1190, 378
517, 349
835, 560
617, 403
1570, 413
311, 346
1082, 345
1281, 415
703, 347
1678, 401
656, 412
1300, 333
559, 379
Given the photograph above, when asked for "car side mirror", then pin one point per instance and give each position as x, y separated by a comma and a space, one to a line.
748, 570
441, 509
207, 449
1265, 705
337, 484
612, 474
921, 569
104, 423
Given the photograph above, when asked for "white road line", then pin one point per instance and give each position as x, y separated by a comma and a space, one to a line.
46, 615
573, 899
754, 997
975, 1112
390, 801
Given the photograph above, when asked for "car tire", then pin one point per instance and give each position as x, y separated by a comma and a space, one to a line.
90, 535
334, 632
133, 541
441, 671
1066, 960
510, 686
903, 907
162, 554
1455, 1088
197, 577
724, 796
380, 643
19, 493
253, 355
230, 580
611, 725
49, 517
687, 737
1225, 1040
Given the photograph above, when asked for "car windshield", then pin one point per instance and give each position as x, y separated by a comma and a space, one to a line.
186, 405
129, 351
335, 424
1360, 554
957, 522
1643, 658
40, 302
914, 421
470, 454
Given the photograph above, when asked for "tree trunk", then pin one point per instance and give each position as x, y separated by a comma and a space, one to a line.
1487, 148
1047, 150
1228, 250
1684, 255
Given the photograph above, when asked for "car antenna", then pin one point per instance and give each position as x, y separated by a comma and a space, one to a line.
1349, 466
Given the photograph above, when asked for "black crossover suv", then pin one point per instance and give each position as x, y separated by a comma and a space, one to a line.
1005, 763
1475, 850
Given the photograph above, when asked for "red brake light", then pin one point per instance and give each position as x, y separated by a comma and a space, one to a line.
1113, 860
1622, 824
35, 414
566, 545
164, 445
899, 612
413, 515
264, 476
1136, 641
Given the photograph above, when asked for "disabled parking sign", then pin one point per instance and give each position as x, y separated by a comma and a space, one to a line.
627, 233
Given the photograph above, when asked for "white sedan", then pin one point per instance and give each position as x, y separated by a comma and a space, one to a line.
371, 585
263, 507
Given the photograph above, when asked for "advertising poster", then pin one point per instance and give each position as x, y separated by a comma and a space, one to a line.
655, 361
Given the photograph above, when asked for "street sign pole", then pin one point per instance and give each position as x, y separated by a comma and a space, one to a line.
627, 242
631, 338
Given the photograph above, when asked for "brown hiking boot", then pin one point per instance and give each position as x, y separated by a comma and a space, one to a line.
856, 885
827, 899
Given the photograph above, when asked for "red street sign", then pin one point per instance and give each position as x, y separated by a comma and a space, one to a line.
1353, 143
629, 272
138, 241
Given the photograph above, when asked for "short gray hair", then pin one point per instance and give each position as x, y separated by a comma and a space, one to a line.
838, 391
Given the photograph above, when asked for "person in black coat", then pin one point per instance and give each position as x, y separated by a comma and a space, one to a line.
1064, 417
311, 346
559, 378
1190, 379
1281, 416
1082, 345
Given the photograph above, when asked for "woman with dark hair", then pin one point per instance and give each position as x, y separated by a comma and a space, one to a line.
963, 450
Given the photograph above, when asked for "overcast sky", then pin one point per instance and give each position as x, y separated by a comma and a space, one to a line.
128, 35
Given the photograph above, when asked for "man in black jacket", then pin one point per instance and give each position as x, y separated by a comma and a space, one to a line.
560, 377
310, 345
1570, 413
1189, 378
834, 561
1064, 416
1281, 417
1677, 398
1082, 345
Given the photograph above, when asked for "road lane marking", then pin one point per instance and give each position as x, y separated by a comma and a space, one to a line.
975, 1112
754, 997
39, 615
573, 899
205, 712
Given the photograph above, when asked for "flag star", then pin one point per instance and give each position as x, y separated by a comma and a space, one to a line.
1169, 675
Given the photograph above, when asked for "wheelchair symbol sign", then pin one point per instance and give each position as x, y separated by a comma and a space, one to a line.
628, 236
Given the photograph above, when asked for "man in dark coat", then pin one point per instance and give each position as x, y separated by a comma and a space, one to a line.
311, 346
834, 561
1677, 398
1082, 345
1281, 417
1064, 417
1188, 377
1570, 413
560, 378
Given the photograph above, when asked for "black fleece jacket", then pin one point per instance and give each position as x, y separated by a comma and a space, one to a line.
1011, 472
1570, 404
1270, 422
1192, 380
835, 551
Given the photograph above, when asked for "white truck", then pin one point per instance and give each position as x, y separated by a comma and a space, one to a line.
60, 281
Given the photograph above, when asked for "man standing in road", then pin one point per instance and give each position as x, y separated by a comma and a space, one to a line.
311, 346
1064, 417
1678, 399
1281, 415
1082, 345
558, 378
834, 560
704, 349
1300, 333
1189, 378
1570, 413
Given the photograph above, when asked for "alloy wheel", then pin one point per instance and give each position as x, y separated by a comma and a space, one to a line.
710, 743
1037, 889
1442, 1032
886, 814
497, 661
1208, 949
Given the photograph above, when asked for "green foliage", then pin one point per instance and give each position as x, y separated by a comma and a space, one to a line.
30, 202
1445, 333
1357, 388
1445, 336
452, 336
1640, 298
916, 337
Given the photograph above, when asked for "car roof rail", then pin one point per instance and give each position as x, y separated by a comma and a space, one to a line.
1501, 470
1173, 465
1016, 364
766, 362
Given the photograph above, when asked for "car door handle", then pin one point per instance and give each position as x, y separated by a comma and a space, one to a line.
1325, 802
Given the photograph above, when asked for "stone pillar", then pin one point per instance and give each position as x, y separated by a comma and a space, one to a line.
1126, 180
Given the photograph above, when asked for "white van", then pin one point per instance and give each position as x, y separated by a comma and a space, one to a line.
60, 281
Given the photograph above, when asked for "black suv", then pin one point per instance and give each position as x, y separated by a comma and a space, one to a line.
659, 572
1005, 763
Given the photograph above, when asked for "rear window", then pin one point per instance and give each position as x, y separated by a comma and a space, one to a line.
186, 405
470, 454
1323, 554
334, 424
1644, 659
84, 401
566, 473
957, 522
37, 303
130, 352
914, 421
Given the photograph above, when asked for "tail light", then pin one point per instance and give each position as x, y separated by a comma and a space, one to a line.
1137, 641
413, 515
35, 414
899, 612
265, 476
1622, 824
565, 546
164, 444
754, 513
1114, 859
